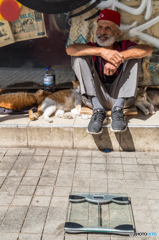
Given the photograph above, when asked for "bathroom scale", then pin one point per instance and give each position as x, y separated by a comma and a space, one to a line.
100, 213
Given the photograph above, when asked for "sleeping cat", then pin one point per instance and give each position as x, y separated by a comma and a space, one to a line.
59, 102
146, 100
21, 100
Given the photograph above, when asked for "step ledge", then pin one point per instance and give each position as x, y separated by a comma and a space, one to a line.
70, 126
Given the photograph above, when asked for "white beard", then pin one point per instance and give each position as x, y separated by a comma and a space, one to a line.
105, 43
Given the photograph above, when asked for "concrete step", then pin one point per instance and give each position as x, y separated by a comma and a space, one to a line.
19, 131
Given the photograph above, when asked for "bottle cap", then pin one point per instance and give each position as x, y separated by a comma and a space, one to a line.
47, 68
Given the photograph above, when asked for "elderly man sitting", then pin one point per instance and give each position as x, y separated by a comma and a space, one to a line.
108, 71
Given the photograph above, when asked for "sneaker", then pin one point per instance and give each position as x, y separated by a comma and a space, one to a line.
118, 123
96, 123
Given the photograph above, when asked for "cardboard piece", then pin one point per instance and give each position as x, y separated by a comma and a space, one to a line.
132, 111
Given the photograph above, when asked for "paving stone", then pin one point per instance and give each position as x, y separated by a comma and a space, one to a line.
139, 204
37, 213
75, 237
33, 173
98, 174
95, 183
55, 159
9, 236
4, 173
98, 154
41, 201
51, 237
116, 184
155, 216
55, 227
82, 159
142, 216
144, 161
82, 174
69, 159
21, 200
65, 174
134, 184
49, 173
97, 167
24, 236
5, 165
45, 181
153, 204
25, 190
16, 212
27, 151
115, 175
5, 200
32, 226
132, 175
39, 159
30, 181
84, 153
146, 168
56, 152
41, 151
13, 151
115, 167
59, 202
57, 214
129, 160
36, 165
151, 184
148, 176
9, 159
129, 167
113, 160
62, 191
10, 181
1, 180
70, 152
136, 193
127, 154
17, 173
81, 183
11, 225
146, 227
113, 154
3, 211
51, 165
152, 193
3, 151
67, 166
44, 191
64, 182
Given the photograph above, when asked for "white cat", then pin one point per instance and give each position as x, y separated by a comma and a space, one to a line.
60, 102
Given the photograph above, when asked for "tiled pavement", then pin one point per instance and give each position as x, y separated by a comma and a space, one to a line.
35, 185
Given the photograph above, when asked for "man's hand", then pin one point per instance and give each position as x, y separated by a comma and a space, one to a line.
109, 69
112, 56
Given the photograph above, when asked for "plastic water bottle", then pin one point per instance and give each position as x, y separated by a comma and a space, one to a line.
49, 80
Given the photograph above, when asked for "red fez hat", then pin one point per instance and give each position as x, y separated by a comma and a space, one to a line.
111, 15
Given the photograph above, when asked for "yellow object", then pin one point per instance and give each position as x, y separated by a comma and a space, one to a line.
1, 17
18, 4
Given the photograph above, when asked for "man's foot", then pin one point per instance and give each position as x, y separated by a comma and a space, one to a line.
96, 123
118, 123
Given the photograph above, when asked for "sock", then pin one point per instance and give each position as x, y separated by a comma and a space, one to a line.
95, 102
119, 103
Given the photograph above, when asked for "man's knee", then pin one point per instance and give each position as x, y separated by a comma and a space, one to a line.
79, 60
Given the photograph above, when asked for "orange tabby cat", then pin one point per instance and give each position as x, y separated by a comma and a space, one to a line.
61, 101
20, 100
